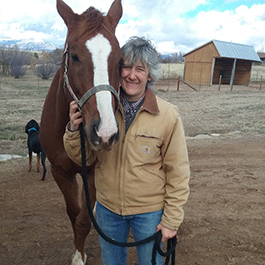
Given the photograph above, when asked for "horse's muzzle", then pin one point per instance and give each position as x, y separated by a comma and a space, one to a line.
100, 142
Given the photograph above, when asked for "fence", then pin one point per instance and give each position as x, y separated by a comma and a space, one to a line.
172, 71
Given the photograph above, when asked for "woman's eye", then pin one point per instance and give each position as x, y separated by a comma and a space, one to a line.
75, 58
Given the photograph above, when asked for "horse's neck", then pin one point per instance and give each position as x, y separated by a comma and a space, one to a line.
57, 102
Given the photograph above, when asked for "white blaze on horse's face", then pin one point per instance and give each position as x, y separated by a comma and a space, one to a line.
100, 49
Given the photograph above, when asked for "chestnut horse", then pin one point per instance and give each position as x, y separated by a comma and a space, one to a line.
90, 68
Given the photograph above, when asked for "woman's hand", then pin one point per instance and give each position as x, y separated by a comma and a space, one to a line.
166, 233
75, 116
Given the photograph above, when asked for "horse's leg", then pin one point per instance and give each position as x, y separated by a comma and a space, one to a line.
38, 162
30, 161
69, 188
83, 223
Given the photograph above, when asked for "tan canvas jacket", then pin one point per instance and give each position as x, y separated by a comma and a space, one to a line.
148, 169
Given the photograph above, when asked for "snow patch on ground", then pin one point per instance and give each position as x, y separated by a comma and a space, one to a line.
5, 157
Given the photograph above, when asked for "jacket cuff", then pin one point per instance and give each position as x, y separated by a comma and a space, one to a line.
70, 133
165, 224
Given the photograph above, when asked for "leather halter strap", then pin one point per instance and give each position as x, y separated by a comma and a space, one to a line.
90, 92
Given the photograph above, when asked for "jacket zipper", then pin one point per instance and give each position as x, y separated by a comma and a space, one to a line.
122, 168
123, 161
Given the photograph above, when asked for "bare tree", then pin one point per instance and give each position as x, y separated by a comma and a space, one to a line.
18, 65
56, 56
20, 62
45, 69
13, 61
47, 64
6, 54
172, 58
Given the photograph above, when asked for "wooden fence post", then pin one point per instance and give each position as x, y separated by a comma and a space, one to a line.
260, 83
178, 82
220, 81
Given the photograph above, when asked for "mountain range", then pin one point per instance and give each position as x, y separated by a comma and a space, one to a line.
30, 44
38, 45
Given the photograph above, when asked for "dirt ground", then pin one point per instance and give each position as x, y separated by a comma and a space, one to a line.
224, 220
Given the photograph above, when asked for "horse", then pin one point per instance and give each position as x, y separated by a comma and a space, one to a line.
89, 74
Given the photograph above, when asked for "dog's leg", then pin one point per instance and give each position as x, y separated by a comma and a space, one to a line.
38, 162
43, 157
30, 161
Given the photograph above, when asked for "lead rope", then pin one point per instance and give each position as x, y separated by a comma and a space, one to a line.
172, 243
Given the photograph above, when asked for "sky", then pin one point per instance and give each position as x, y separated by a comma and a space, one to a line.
172, 25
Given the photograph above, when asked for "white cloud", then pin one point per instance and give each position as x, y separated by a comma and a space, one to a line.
166, 46
158, 20
125, 31
243, 25
165, 22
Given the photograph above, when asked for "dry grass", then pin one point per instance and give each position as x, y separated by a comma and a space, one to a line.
211, 112
205, 112
20, 100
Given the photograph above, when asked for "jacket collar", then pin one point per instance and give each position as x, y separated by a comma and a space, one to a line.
150, 102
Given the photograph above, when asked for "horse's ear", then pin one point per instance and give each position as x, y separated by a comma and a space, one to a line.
115, 13
65, 11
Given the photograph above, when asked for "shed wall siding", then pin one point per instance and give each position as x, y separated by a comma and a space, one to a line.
243, 72
224, 67
198, 65
198, 73
204, 54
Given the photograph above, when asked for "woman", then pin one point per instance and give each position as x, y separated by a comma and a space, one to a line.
142, 183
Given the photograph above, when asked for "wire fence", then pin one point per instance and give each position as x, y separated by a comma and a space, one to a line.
257, 79
172, 74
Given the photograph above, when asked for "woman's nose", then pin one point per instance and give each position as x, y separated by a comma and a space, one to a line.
132, 74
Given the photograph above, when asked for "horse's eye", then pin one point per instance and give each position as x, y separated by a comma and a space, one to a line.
75, 58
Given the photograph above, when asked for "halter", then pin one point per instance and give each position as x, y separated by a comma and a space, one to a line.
90, 92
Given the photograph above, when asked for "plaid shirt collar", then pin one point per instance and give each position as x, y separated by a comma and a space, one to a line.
130, 108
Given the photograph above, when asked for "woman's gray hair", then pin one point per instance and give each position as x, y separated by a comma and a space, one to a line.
139, 48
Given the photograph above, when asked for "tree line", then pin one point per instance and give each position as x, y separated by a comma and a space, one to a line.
176, 57
15, 62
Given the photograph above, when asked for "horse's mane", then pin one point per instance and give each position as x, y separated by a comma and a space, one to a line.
94, 17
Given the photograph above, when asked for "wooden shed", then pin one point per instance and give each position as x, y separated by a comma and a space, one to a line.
233, 62
262, 56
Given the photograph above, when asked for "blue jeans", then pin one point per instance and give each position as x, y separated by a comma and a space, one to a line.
117, 227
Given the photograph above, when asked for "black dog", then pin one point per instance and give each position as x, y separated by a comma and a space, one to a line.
32, 129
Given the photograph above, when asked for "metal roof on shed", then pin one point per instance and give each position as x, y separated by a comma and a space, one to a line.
233, 50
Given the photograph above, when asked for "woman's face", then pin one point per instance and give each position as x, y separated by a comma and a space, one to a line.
134, 79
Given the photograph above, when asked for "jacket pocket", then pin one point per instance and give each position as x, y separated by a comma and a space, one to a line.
145, 150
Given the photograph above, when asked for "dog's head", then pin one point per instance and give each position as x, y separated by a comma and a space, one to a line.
32, 125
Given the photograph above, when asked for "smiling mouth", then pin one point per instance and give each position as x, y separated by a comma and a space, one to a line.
131, 84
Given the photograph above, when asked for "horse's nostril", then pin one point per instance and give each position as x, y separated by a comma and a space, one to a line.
114, 138
103, 139
95, 128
